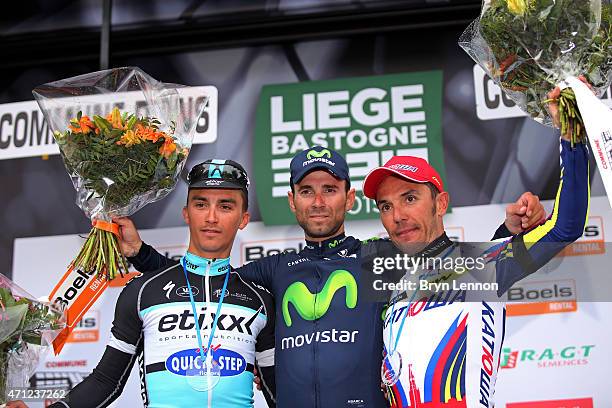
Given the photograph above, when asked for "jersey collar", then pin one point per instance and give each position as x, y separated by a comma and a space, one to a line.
436, 247
328, 246
197, 264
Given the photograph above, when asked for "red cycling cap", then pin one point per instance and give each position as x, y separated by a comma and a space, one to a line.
408, 167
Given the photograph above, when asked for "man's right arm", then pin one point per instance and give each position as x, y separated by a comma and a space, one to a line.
148, 259
261, 271
108, 379
143, 256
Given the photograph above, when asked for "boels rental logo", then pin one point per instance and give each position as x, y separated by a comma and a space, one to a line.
542, 297
87, 330
367, 120
592, 241
254, 250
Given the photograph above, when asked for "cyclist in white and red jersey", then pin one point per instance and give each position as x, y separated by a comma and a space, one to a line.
445, 352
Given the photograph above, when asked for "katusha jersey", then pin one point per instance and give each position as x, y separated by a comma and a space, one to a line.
444, 345
154, 322
449, 347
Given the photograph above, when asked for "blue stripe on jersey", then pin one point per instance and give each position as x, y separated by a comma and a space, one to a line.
170, 390
433, 362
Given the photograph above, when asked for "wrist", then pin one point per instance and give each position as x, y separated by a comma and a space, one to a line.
133, 250
512, 229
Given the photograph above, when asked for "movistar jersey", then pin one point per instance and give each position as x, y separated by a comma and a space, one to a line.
448, 351
154, 320
328, 337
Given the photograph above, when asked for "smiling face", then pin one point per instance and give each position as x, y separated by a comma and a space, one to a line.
214, 216
409, 213
320, 202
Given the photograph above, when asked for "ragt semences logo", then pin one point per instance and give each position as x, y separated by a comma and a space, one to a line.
311, 306
547, 358
367, 120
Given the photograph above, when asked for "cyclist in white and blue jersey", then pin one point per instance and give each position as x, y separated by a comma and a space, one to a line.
154, 317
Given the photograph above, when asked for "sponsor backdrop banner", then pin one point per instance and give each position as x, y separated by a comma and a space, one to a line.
492, 103
24, 131
556, 352
368, 120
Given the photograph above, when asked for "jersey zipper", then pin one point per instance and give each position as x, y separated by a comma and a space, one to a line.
314, 348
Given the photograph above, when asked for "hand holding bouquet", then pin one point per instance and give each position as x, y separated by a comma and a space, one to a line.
528, 47
27, 328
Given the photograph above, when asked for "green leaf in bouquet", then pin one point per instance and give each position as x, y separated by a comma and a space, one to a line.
152, 164
166, 182
32, 338
131, 122
97, 147
7, 297
60, 138
12, 320
103, 124
171, 161
79, 115
4, 294
116, 133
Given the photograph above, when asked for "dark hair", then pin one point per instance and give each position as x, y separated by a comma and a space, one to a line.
434, 193
245, 200
433, 190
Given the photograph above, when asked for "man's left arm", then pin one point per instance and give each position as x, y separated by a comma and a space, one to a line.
527, 252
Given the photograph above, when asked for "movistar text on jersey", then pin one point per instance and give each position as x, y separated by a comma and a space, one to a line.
410, 264
325, 336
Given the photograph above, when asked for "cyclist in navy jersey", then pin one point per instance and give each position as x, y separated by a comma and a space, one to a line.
328, 338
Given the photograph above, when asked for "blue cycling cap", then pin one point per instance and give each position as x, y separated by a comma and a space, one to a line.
319, 158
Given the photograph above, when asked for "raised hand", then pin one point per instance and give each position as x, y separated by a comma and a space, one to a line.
525, 213
129, 238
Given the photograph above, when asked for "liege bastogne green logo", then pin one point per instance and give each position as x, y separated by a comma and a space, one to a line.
311, 306
314, 154
367, 120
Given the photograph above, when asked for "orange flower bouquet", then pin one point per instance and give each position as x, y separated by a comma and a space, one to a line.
119, 161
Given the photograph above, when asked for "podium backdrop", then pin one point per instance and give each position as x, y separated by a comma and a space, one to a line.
560, 353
